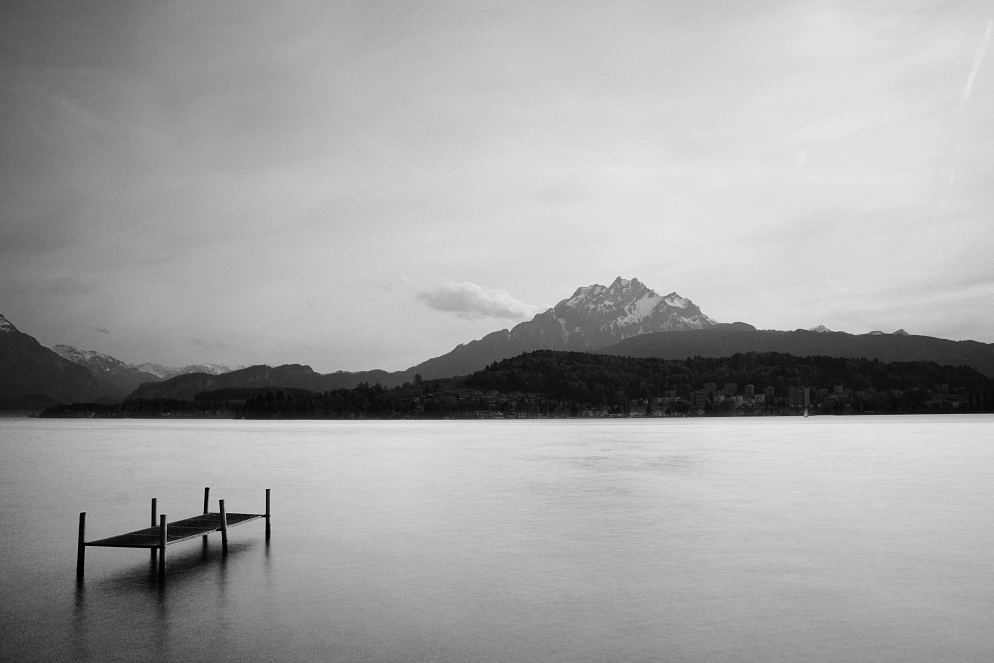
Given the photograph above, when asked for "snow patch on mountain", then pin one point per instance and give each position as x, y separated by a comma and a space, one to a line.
6, 326
645, 305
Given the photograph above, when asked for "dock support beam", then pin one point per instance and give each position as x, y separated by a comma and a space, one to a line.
207, 495
162, 547
268, 530
224, 529
81, 547
153, 525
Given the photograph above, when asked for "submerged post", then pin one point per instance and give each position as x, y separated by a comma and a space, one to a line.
268, 531
81, 547
162, 547
224, 529
207, 494
153, 525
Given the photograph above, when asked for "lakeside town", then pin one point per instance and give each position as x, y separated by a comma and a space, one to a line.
711, 400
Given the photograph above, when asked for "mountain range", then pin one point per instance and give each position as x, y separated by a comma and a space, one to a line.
625, 318
33, 376
115, 378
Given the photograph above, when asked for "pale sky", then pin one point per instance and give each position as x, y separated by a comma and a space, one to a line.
357, 185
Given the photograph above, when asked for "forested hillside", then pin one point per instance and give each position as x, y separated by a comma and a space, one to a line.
614, 380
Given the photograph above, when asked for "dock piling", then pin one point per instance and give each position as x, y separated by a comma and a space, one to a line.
268, 531
207, 494
152, 553
81, 547
224, 529
162, 547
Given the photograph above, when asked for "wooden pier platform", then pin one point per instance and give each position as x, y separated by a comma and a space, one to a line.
180, 530
157, 537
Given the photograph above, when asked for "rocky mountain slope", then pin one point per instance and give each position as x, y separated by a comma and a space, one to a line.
594, 317
29, 369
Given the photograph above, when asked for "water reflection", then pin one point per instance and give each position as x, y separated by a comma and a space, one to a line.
267, 563
78, 634
182, 568
133, 612
162, 626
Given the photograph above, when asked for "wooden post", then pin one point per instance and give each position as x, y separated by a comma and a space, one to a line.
81, 547
153, 525
207, 494
162, 547
224, 528
268, 531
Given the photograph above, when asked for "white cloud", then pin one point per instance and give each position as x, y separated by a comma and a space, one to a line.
470, 301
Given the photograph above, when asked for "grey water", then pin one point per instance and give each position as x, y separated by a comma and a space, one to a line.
772, 539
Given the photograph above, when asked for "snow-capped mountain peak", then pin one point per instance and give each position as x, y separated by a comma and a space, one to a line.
6, 325
820, 329
597, 315
593, 317
629, 302
93, 360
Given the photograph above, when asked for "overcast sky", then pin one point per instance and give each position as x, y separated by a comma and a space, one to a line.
358, 185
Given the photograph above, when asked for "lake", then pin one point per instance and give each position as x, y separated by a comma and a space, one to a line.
764, 539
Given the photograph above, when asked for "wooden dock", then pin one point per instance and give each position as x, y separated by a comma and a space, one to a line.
157, 537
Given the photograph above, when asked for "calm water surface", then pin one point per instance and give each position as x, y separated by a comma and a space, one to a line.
774, 539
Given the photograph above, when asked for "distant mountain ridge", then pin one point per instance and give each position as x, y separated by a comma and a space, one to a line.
166, 372
118, 379
897, 347
185, 387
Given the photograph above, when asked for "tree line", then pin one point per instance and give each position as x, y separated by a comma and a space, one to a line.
548, 381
